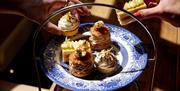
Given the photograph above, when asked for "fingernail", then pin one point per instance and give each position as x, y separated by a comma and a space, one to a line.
137, 14
152, 4
88, 12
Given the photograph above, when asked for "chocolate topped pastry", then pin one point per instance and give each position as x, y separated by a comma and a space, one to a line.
100, 36
80, 61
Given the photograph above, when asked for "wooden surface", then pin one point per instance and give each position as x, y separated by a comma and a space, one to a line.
9, 86
13, 39
167, 38
178, 62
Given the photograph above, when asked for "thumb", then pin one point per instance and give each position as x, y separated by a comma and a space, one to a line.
52, 28
75, 13
55, 5
149, 12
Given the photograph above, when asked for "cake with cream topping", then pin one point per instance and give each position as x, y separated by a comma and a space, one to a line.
69, 24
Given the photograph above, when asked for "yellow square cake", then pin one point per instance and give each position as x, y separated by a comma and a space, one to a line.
131, 6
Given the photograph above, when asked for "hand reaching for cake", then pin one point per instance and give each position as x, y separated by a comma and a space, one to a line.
131, 6
38, 10
143, 9
166, 9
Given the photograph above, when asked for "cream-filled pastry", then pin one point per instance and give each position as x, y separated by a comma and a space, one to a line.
106, 62
69, 24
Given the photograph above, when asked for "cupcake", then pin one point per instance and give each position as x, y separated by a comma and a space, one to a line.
69, 24
100, 36
106, 62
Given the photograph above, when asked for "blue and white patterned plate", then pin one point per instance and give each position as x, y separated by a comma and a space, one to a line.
130, 53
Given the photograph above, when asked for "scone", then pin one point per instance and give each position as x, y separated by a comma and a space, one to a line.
106, 62
100, 36
81, 61
131, 6
69, 24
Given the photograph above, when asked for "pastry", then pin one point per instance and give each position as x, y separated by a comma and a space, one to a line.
131, 6
106, 62
81, 61
100, 36
69, 24
67, 48
82, 44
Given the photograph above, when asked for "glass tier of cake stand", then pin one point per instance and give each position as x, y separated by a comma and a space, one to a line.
135, 47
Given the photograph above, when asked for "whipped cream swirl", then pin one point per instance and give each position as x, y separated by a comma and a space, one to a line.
68, 22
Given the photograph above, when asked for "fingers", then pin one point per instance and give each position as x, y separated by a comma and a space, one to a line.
61, 3
149, 2
55, 5
76, 14
52, 28
83, 10
149, 12
152, 4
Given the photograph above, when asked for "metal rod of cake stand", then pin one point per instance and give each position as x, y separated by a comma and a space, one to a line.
137, 85
38, 77
152, 79
36, 67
